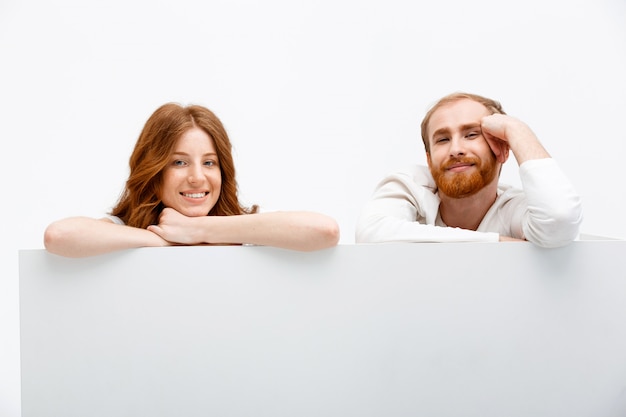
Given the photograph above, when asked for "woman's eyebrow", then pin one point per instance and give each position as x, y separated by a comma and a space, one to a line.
186, 154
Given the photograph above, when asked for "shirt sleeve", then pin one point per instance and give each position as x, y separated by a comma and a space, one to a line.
403, 208
554, 212
115, 219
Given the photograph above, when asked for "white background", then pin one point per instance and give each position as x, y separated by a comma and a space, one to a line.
321, 99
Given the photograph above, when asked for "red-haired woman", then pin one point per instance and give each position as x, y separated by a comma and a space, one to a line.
182, 191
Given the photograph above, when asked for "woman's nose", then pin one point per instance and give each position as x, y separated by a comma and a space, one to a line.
195, 175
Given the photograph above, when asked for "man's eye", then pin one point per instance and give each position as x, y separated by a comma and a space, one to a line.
472, 134
441, 140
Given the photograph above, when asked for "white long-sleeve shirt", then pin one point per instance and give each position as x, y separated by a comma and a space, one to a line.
405, 208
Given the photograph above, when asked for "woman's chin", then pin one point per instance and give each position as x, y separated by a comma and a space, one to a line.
194, 212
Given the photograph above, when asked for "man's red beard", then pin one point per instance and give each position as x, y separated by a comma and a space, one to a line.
464, 184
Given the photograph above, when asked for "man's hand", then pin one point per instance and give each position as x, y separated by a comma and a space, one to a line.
503, 132
510, 239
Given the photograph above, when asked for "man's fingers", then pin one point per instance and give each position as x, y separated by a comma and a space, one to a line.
499, 147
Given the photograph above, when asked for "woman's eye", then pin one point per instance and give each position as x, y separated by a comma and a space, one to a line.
178, 163
210, 163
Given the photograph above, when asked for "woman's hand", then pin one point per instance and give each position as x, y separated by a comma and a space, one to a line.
178, 228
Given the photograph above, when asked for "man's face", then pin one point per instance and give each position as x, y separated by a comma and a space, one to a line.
460, 159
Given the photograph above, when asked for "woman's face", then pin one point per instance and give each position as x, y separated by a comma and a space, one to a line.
192, 179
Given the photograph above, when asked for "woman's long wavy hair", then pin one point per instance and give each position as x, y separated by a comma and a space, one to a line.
140, 203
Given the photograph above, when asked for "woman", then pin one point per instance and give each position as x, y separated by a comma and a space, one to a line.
182, 191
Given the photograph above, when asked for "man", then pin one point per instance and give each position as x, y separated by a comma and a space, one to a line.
458, 198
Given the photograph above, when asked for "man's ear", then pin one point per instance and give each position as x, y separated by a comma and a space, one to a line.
505, 154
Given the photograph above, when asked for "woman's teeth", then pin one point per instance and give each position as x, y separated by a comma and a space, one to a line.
194, 195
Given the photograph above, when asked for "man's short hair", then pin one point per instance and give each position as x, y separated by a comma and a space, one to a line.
491, 105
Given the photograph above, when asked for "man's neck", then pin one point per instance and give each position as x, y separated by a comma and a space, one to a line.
468, 212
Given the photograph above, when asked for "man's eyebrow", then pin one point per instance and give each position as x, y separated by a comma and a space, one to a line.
463, 128
470, 126
441, 131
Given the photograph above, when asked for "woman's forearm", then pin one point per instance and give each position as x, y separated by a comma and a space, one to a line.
83, 236
297, 230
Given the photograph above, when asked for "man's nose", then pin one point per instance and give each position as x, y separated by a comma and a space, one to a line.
457, 147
